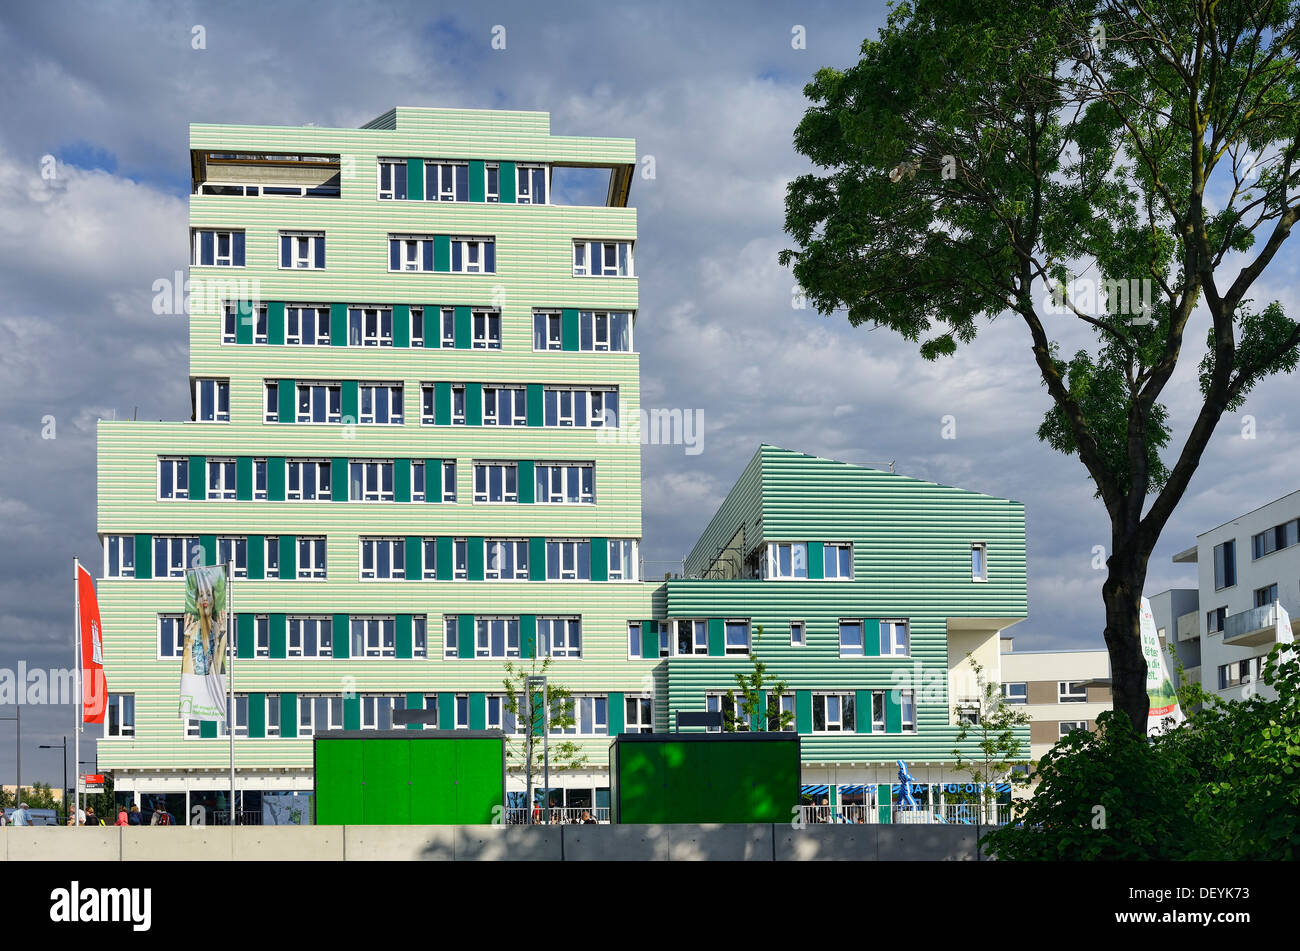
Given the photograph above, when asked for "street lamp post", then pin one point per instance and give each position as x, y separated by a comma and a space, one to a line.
534, 685
18, 779
64, 747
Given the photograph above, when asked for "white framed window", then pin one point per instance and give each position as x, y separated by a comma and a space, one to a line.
216, 248
1071, 691
692, 638
307, 480
878, 711
173, 478
211, 401
172, 554
270, 401
1266, 595
837, 561
833, 712
907, 705
474, 255
602, 259
604, 331
392, 179
458, 404
272, 551
446, 181
496, 637
505, 559
171, 635
590, 716
119, 556
310, 637
777, 706
638, 715
559, 637
261, 639
486, 329
307, 326
448, 480
417, 480
377, 710
419, 636
634, 640
379, 403
568, 560
416, 336
374, 637
1275, 539
852, 643
979, 567
719, 702
462, 711
570, 406
383, 559
548, 330
233, 548
459, 559
447, 323
735, 636
623, 563
319, 402
450, 638
1225, 564
231, 316
1015, 692
1069, 726
311, 558
221, 479
410, 252
370, 326
302, 249
797, 634
505, 405
530, 188
119, 718
565, 483
371, 481
786, 560
894, 639
259, 480
319, 712
496, 482
492, 182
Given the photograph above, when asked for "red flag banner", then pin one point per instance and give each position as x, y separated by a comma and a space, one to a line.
94, 684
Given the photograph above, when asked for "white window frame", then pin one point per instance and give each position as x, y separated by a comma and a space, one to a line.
699, 648
317, 467
189, 546
227, 550
472, 246
564, 547
302, 250
318, 390
861, 650
484, 473
1072, 725
514, 550
217, 257
727, 648
593, 247
845, 700
524, 180
370, 326
801, 630
1011, 694
389, 193
643, 722
295, 314
332, 707
324, 629
375, 635
116, 549
219, 387
490, 339
624, 552
894, 649
512, 398
552, 327
979, 562
568, 644
545, 475
590, 325
373, 545
175, 625
834, 548
363, 472
1071, 691
509, 632
444, 180
389, 395
224, 468
313, 566
176, 464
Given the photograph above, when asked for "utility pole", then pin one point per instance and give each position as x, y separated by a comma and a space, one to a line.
64, 747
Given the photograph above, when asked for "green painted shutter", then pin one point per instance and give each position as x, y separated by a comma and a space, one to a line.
478, 711
649, 639
341, 635
862, 715
286, 401
208, 729
466, 637
803, 719
275, 472
278, 631
569, 329
257, 716
446, 567
446, 711
871, 637
244, 322
600, 559
275, 322
893, 712
349, 401
442, 404
352, 712
528, 635
208, 545
288, 557
244, 478
415, 179
536, 405
527, 482
414, 558
414, 701
464, 329
144, 556
338, 325
433, 480
537, 559
401, 480
404, 637
338, 479
198, 478
717, 637
758, 719
816, 561
473, 404
256, 557
288, 715
475, 559
244, 641
442, 253
477, 181
616, 723
402, 325
507, 183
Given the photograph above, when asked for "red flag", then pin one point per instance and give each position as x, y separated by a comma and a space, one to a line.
94, 685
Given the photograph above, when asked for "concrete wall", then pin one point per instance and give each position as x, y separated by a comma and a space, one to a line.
633, 843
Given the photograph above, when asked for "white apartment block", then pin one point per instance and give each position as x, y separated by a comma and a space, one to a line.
1061, 690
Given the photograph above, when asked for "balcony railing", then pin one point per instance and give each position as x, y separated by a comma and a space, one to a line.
559, 815
1251, 628
947, 814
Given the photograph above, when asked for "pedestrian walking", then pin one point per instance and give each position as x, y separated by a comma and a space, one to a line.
121, 818
133, 817
21, 816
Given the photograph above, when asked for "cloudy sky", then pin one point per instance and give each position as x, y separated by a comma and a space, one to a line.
109, 89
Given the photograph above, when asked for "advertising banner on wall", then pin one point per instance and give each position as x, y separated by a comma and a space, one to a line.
203, 654
1160, 687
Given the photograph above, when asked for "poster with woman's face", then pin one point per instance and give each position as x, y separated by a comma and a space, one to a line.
203, 651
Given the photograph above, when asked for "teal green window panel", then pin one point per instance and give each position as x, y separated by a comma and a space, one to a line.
527, 635
475, 565
536, 405
208, 546
717, 637
144, 556
415, 179
816, 561
433, 480
507, 183
244, 322
402, 480
414, 558
442, 253
244, 478
446, 557
402, 325
338, 325
404, 637
338, 479
527, 481
275, 322
569, 329
537, 559
244, 640
600, 559
446, 711
803, 711
288, 715
414, 701
442, 404
465, 634
278, 629
478, 711
198, 478
275, 473
289, 557
893, 712
256, 557
464, 328
616, 712
862, 716
341, 635
473, 404
352, 712
256, 716
350, 401
477, 181
286, 401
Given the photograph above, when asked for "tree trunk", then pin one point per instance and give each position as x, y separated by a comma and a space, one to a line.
1122, 594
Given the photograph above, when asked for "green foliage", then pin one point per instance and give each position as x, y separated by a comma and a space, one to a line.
40, 796
997, 732
564, 754
1221, 786
751, 700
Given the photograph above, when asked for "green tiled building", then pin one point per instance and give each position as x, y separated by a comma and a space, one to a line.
411, 350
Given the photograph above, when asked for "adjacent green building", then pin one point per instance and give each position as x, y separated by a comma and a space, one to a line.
414, 377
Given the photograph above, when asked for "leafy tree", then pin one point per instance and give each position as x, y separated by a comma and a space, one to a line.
997, 730
751, 700
981, 155
40, 796
565, 754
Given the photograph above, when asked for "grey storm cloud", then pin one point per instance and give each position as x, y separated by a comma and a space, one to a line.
712, 92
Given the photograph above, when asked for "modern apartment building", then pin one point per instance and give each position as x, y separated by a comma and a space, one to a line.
1062, 691
415, 387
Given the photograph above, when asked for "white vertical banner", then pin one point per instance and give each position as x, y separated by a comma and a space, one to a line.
1161, 695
